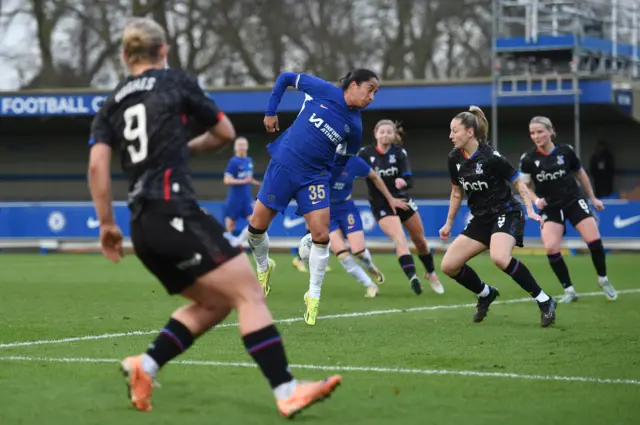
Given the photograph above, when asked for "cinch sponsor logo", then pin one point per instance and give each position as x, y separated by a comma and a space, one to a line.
475, 186
544, 176
388, 172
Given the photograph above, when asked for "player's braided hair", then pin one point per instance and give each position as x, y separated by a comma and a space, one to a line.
397, 127
476, 120
142, 40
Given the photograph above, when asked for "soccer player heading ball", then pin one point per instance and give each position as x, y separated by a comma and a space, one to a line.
498, 220
302, 161
181, 245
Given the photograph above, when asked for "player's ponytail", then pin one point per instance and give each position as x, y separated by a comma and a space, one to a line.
400, 133
476, 120
142, 40
358, 76
482, 127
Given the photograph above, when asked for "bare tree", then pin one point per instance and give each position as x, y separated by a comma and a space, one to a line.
249, 42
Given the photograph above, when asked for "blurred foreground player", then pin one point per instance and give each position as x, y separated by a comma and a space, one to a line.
179, 243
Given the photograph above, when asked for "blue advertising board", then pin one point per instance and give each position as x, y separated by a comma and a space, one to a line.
392, 97
77, 220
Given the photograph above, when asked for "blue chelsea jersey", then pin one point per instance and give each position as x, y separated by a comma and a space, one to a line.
240, 168
324, 126
343, 178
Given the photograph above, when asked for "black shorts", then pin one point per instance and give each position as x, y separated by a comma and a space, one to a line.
511, 223
575, 212
179, 242
384, 210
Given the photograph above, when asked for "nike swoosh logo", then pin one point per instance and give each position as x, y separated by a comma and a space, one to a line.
620, 223
93, 223
292, 222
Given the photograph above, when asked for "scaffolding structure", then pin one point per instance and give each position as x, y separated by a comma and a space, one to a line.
545, 48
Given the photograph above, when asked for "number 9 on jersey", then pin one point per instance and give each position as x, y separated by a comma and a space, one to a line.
136, 115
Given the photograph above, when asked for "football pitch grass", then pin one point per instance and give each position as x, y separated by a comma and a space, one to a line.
68, 319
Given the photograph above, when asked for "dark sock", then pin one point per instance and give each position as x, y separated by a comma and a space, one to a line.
172, 341
559, 267
407, 265
521, 274
468, 278
598, 257
265, 346
427, 260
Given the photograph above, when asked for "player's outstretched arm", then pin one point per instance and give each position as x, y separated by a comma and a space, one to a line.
216, 138
313, 86
284, 80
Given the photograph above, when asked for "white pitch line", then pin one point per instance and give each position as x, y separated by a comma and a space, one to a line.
372, 369
295, 319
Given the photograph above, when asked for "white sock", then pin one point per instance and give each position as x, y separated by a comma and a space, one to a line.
602, 279
570, 289
542, 297
356, 271
365, 259
485, 291
260, 247
318, 260
243, 236
149, 365
284, 391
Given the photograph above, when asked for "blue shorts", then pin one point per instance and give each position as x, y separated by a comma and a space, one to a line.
280, 185
346, 217
238, 208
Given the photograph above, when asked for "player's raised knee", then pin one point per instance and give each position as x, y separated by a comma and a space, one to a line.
449, 267
501, 259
